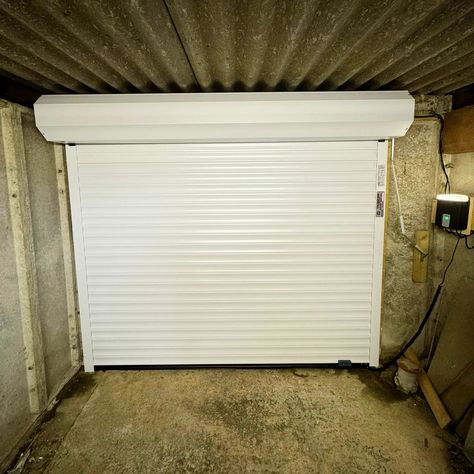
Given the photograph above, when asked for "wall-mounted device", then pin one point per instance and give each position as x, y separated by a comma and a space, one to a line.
453, 212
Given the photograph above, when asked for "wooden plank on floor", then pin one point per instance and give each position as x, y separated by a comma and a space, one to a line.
435, 403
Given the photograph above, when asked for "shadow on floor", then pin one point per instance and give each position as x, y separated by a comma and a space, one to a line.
235, 421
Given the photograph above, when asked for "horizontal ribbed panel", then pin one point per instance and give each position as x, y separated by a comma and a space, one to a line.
229, 253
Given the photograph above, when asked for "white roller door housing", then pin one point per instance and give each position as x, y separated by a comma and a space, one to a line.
236, 252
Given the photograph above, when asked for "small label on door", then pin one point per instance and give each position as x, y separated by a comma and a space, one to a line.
381, 175
380, 203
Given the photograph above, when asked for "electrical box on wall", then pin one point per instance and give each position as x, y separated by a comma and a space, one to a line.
453, 212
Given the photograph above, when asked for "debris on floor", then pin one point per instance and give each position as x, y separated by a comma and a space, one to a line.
240, 420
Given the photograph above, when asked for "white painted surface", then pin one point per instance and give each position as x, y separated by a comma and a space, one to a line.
79, 254
228, 253
377, 269
224, 117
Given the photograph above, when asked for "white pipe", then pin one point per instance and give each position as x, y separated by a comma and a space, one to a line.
400, 213
397, 192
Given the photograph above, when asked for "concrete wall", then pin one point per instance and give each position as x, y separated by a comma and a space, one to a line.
14, 402
447, 339
38, 317
419, 178
416, 164
452, 367
48, 247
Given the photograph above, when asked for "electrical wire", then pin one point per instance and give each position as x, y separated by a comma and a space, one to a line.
435, 331
425, 318
447, 188
461, 236
450, 262
467, 245
415, 336
397, 192
447, 184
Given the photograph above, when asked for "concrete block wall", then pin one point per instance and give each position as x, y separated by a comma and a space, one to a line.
39, 347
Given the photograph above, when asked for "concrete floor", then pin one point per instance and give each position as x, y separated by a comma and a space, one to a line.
238, 421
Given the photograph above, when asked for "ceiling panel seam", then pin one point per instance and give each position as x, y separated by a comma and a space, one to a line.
165, 2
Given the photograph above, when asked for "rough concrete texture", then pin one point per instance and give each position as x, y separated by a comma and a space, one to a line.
78, 46
235, 421
432, 104
14, 404
43, 189
15, 410
131, 49
405, 302
452, 368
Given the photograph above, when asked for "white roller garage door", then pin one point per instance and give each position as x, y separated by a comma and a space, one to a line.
229, 253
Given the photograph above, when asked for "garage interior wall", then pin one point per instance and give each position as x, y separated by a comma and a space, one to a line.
404, 302
417, 169
38, 318
452, 367
419, 180
449, 331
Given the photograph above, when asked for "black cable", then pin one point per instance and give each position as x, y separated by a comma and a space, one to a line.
450, 262
459, 234
425, 319
447, 188
467, 245
417, 333
447, 185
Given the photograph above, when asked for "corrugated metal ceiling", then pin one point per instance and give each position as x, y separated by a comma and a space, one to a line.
86, 46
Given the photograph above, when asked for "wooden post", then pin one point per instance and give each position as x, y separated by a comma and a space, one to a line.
420, 261
22, 231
